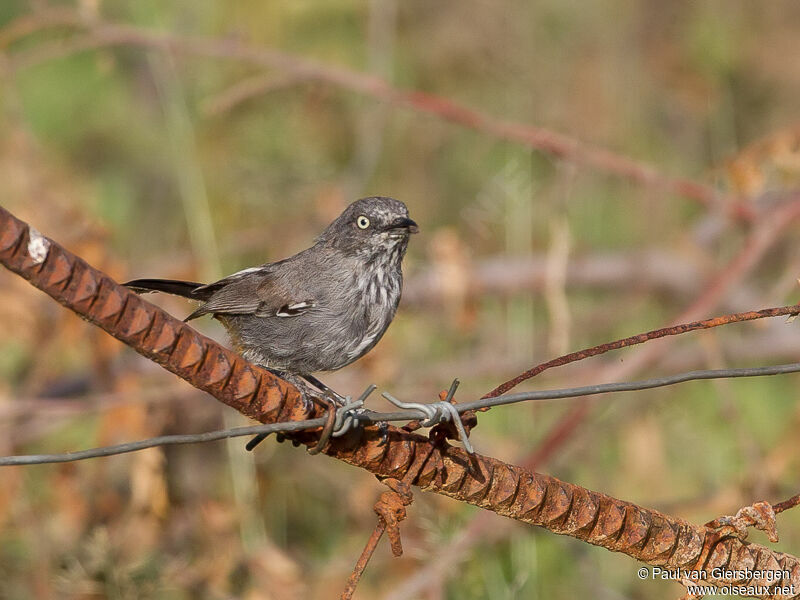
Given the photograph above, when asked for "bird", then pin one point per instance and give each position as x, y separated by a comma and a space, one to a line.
320, 309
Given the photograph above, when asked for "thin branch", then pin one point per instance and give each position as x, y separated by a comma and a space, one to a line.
499, 276
768, 230
35, 21
640, 338
244, 90
105, 34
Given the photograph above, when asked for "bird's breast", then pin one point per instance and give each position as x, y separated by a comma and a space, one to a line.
375, 303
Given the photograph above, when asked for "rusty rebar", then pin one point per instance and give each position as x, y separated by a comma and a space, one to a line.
363, 560
564, 508
760, 515
391, 509
786, 504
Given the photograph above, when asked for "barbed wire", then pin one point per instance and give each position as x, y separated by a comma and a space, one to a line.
353, 416
164, 440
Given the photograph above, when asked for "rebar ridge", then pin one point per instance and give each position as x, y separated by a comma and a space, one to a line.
564, 508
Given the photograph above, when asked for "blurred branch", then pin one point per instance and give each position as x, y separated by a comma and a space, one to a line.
245, 89
653, 270
36, 21
762, 237
512, 491
748, 168
190, 181
658, 271
555, 284
99, 34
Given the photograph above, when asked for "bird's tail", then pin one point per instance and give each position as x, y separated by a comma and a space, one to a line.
168, 286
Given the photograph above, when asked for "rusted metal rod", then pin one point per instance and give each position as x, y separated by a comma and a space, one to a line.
564, 508
750, 315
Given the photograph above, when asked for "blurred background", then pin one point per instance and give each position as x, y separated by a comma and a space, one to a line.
193, 139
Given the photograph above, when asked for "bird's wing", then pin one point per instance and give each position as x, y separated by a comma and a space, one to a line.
255, 291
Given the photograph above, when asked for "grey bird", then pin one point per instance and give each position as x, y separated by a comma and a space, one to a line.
322, 308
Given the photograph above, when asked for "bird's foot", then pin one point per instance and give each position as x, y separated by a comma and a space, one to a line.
330, 393
383, 433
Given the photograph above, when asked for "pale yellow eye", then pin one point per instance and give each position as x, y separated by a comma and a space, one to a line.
362, 222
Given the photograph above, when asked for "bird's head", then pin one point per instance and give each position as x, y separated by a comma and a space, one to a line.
371, 227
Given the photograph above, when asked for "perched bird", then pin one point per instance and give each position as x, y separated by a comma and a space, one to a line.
322, 308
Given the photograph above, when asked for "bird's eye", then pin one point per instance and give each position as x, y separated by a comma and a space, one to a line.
362, 222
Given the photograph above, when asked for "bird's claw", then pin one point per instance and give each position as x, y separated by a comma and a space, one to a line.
383, 432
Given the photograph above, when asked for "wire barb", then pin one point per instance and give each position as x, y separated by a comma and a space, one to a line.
341, 419
437, 412
347, 416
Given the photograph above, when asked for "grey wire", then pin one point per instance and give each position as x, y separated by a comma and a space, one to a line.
164, 440
437, 412
347, 415
426, 412
353, 417
628, 386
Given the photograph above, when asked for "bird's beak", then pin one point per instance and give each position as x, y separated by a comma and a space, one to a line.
405, 223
